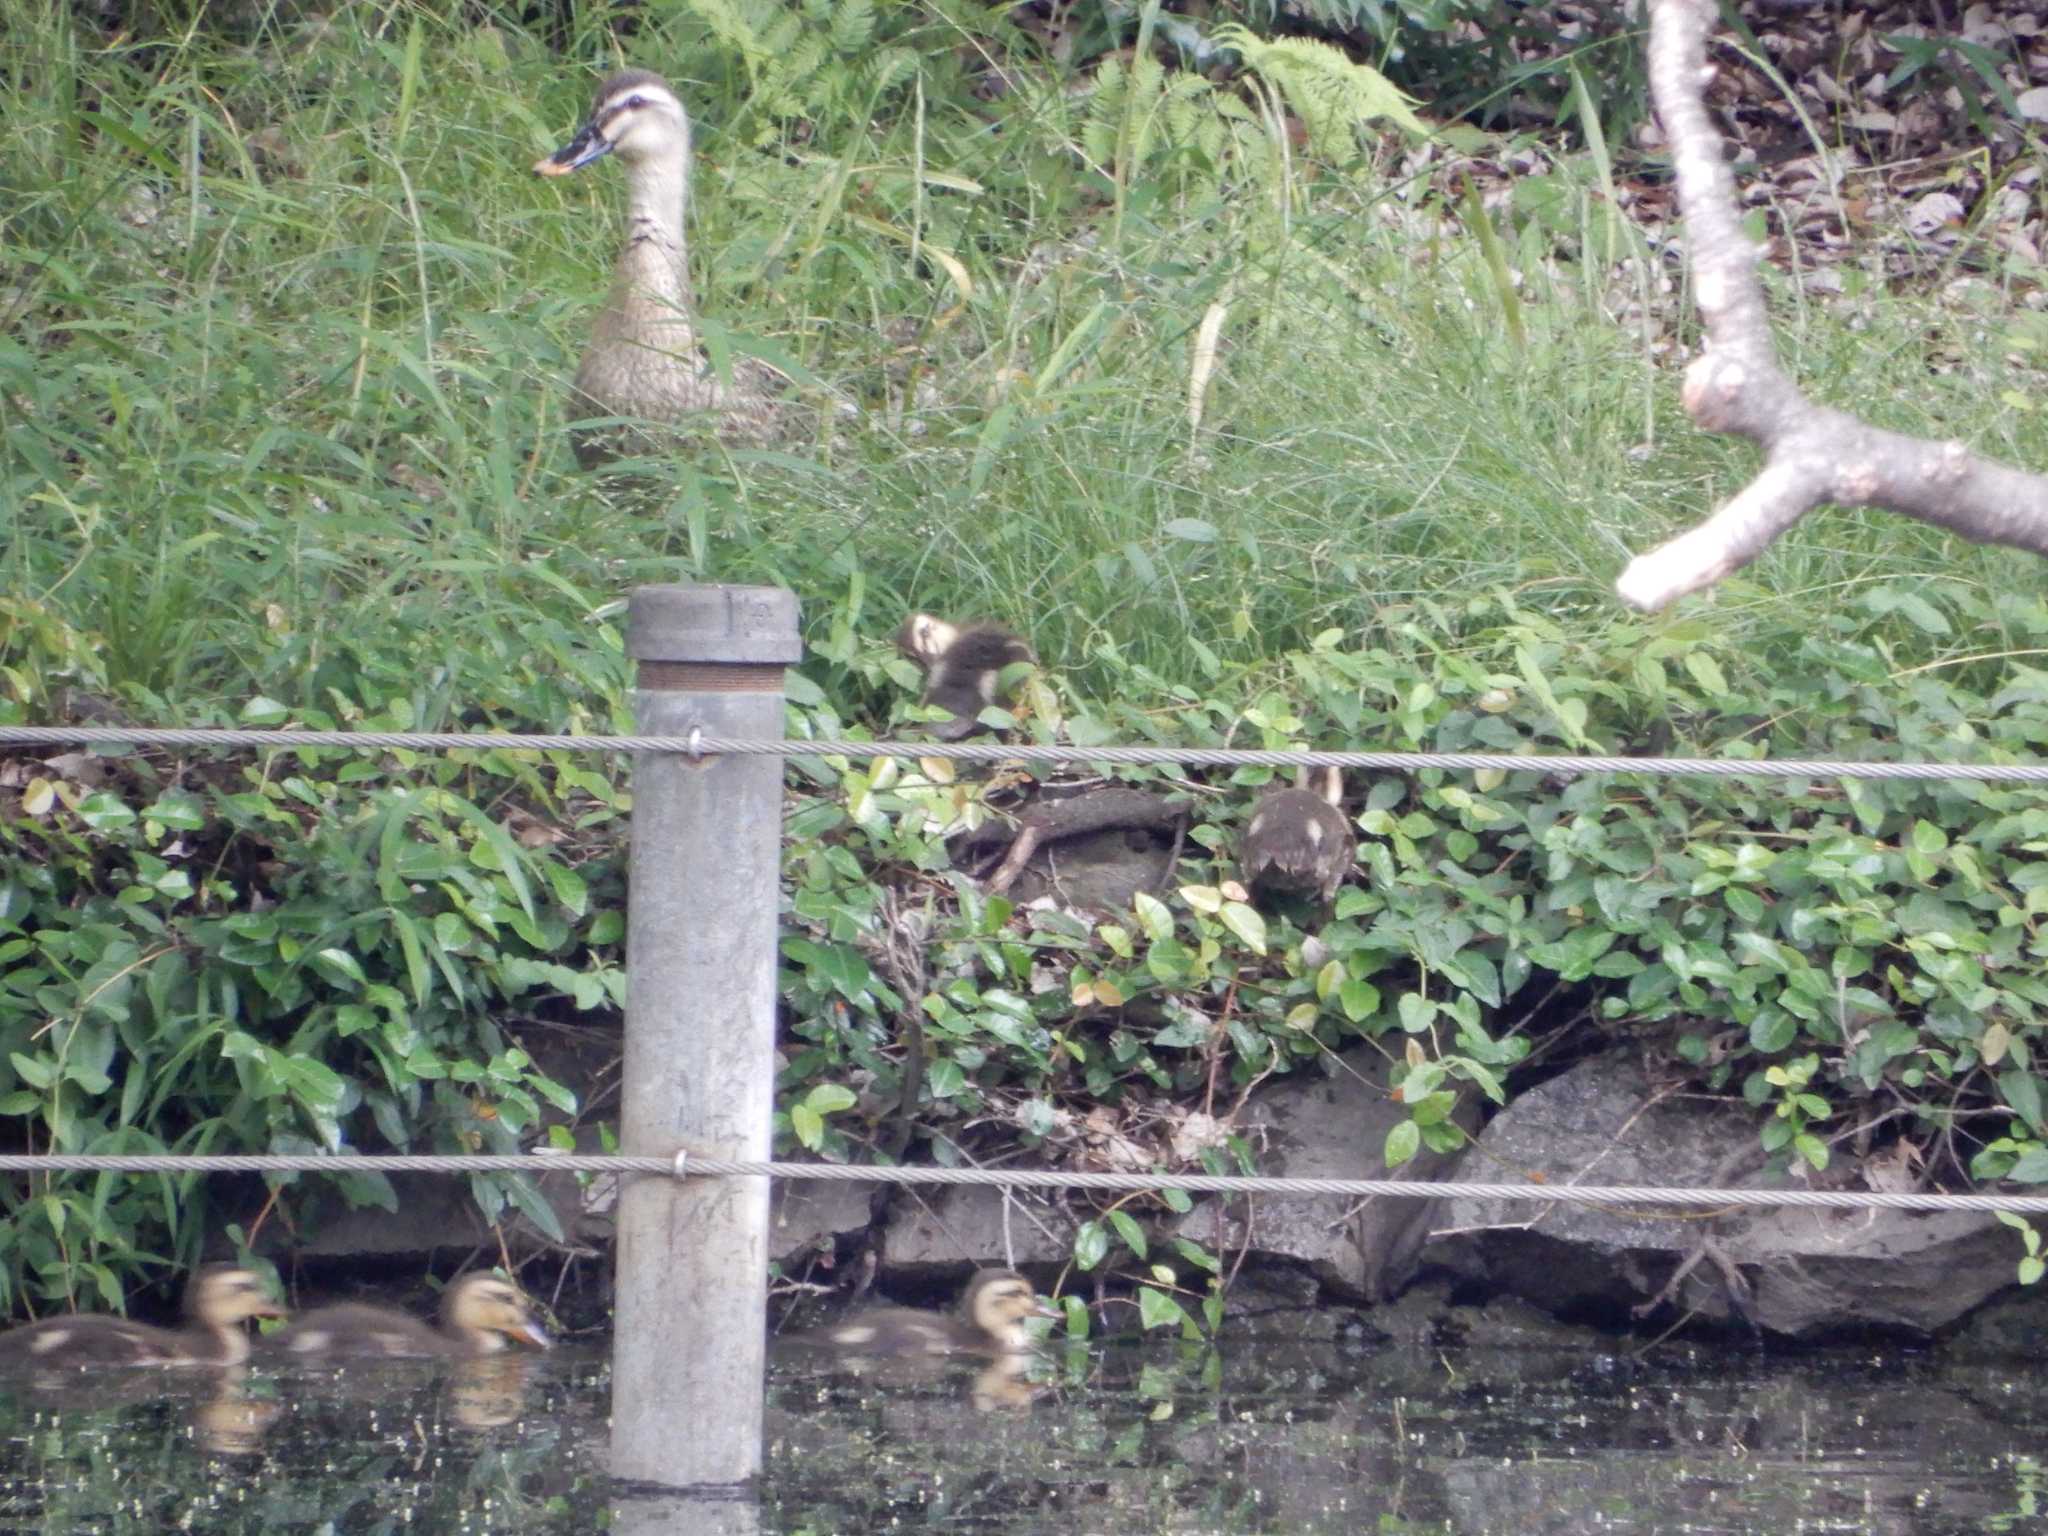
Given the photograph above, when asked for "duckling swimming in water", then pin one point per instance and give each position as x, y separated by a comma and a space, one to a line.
1298, 840
479, 1313
990, 1322
642, 362
220, 1299
963, 668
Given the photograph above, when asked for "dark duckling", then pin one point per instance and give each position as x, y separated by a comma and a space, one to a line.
479, 1313
220, 1299
1298, 840
963, 668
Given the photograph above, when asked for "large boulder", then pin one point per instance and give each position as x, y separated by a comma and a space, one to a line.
974, 1224
1330, 1125
807, 1217
1807, 1272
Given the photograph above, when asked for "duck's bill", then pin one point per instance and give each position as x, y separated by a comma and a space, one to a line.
532, 1333
1042, 1309
588, 145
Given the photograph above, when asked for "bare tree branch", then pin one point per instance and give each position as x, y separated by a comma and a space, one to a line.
1812, 454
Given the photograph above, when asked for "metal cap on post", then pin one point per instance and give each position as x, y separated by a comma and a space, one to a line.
703, 889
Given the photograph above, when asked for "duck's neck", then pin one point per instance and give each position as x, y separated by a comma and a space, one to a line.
225, 1343
654, 266
1008, 1338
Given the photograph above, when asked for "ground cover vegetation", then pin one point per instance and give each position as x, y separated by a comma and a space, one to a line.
1267, 424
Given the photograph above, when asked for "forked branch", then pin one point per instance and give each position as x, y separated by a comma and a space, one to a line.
1812, 453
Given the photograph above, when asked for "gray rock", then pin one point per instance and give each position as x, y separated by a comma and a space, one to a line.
1811, 1271
434, 1212
1327, 1126
807, 1216
970, 1224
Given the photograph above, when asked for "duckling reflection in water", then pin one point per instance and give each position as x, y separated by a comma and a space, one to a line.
642, 362
232, 1422
479, 1314
991, 1321
488, 1391
219, 1301
1006, 1382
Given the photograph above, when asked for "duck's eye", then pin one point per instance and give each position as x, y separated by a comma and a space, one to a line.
635, 101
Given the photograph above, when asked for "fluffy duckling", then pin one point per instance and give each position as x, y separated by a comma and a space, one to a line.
479, 1313
990, 1322
1298, 840
220, 1299
642, 361
963, 668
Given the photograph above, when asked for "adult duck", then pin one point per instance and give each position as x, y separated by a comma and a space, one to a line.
642, 364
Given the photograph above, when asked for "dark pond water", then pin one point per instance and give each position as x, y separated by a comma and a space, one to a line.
1271, 1433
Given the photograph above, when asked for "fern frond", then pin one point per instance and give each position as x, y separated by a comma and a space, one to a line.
731, 27
887, 70
853, 25
1105, 113
1333, 93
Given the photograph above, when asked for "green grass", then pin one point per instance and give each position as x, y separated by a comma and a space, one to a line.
289, 324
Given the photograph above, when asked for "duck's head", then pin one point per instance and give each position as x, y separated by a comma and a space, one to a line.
226, 1296
998, 1301
925, 637
485, 1307
635, 116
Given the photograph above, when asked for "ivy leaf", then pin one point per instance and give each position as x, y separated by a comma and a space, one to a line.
1416, 1012
1153, 916
2022, 1090
1247, 924
1360, 1000
1159, 1309
1091, 1244
1328, 979
1772, 1031
1129, 1230
808, 1125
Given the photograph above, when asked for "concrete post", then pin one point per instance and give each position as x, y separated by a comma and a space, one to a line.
691, 1339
